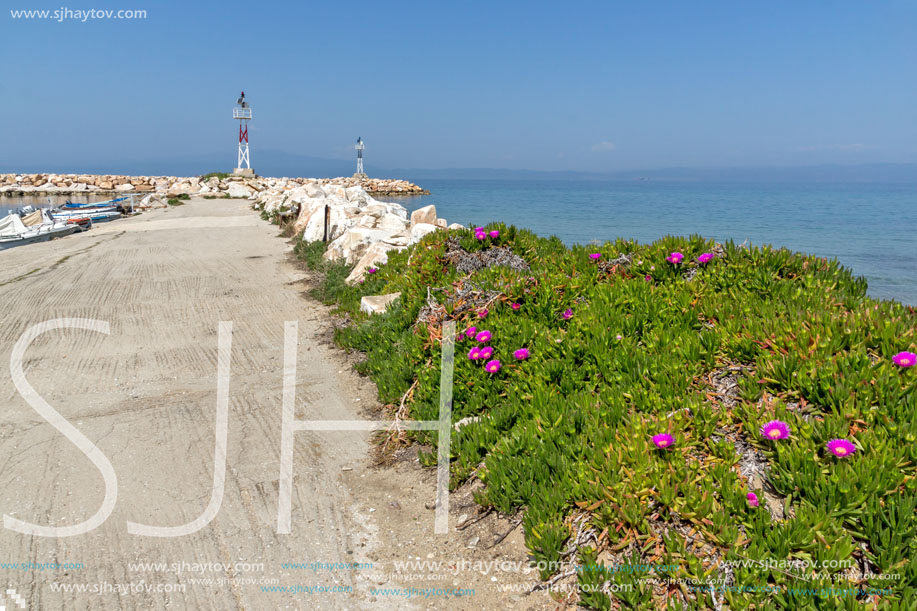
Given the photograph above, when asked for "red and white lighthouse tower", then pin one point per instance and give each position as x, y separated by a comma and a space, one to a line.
243, 113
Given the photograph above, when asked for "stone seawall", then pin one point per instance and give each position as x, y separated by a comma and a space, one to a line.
70, 184
359, 229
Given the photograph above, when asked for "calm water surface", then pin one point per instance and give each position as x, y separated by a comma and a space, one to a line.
870, 228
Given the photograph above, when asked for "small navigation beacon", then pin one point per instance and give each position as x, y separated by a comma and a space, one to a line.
243, 113
360, 146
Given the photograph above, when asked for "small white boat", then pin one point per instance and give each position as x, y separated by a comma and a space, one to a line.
13, 232
98, 215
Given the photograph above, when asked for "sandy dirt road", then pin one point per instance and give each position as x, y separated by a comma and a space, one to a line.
146, 395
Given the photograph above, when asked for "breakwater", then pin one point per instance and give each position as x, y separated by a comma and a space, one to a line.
208, 184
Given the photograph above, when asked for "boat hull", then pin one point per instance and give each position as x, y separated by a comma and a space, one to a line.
32, 238
97, 216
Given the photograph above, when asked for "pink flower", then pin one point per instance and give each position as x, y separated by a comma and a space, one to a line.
486, 352
775, 429
663, 440
474, 354
494, 234
480, 235
516, 306
371, 270
492, 366
619, 337
704, 258
568, 314
595, 256
675, 258
648, 278
479, 230
471, 331
752, 499
521, 354
905, 359
482, 313
841, 447
483, 337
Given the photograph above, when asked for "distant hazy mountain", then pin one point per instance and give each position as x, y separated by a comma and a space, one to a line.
279, 163
880, 172
265, 162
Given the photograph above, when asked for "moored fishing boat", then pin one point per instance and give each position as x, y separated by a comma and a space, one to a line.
96, 215
110, 202
13, 232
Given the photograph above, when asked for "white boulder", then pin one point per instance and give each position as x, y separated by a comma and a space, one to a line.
338, 223
392, 222
425, 215
377, 304
179, 188
238, 190
419, 230
352, 244
377, 210
356, 195
375, 255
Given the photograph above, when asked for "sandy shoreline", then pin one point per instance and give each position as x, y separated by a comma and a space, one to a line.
146, 395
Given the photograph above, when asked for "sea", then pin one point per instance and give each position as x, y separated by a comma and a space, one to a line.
870, 228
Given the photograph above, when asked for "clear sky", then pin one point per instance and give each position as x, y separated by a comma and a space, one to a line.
537, 85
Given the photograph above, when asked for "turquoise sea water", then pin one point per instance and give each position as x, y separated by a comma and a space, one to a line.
870, 228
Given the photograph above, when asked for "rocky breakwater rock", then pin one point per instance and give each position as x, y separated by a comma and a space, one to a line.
209, 185
382, 186
359, 229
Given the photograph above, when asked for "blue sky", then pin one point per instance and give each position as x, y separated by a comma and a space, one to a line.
553, 86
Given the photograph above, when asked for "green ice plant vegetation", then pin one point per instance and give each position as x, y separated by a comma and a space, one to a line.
681, 404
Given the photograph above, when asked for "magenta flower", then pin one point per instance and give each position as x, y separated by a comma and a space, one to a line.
494, 234
471, 331
675, 258
482, 313
663, 440
595, 256
752, 499
841, 447
705, 258
486, 352
521, 354
480, 235
474, 354
371, 270
479, 230
568, 314
648, 278
775, 429
905, 359
516, 306
483, 337
492, 366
